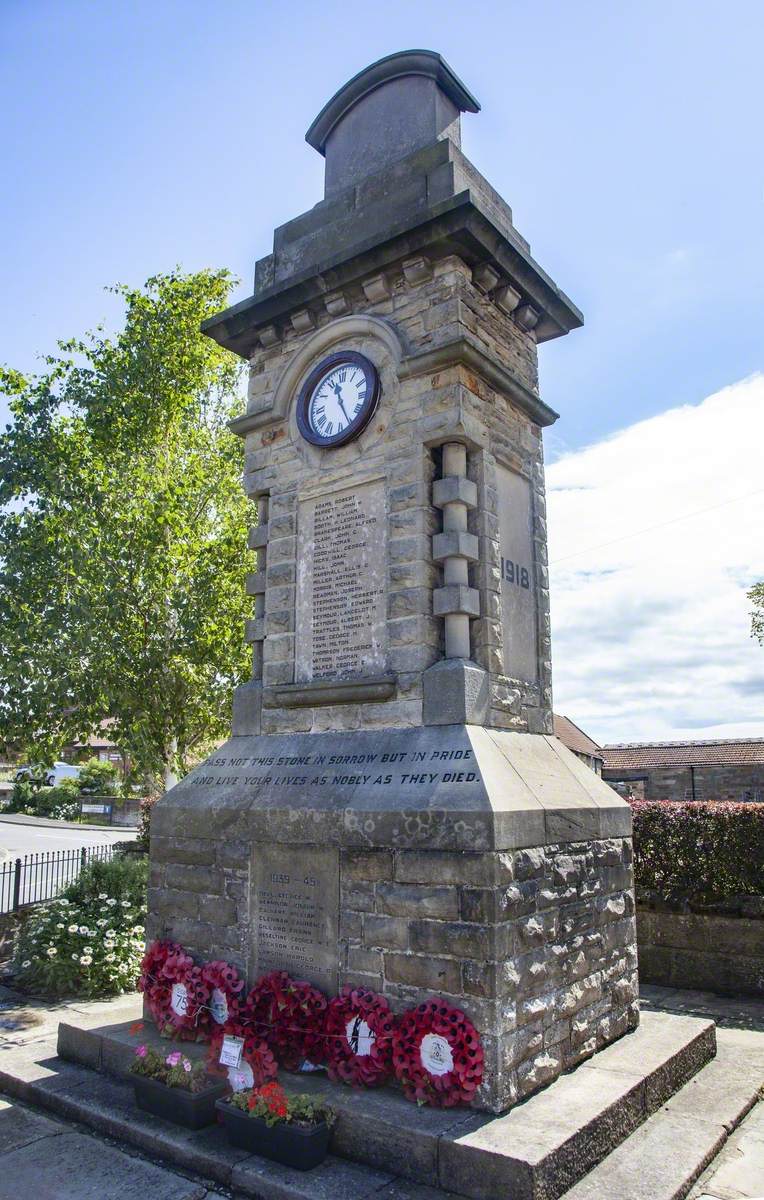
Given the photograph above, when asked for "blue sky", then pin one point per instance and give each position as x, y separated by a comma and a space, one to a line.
626, 137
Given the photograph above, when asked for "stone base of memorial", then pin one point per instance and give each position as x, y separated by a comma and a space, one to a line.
488, 868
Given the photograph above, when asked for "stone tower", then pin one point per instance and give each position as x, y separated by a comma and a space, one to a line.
392, 809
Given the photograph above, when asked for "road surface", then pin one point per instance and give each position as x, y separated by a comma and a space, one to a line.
47, 872
18, 840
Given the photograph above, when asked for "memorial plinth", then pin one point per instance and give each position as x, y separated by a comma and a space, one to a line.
392, 809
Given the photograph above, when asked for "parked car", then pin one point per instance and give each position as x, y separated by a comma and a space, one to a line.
48, 776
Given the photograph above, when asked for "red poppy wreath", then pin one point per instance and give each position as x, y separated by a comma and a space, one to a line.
437, 1055
226, 991
289, 1015
359, 1031
257, 1063
164, 971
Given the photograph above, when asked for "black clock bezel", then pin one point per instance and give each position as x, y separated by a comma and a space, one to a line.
357, 426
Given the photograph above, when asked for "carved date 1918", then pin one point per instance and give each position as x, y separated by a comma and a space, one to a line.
512, 572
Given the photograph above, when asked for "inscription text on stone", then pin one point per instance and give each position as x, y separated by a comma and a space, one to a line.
341, 604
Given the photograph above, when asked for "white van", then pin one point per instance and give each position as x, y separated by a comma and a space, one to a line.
48, 775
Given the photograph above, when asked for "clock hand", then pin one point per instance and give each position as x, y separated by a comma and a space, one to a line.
338, 393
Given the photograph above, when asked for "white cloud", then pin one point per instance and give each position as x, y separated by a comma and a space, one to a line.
650, 619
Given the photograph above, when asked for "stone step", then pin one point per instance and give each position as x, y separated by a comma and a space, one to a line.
663, 1157
105, 1104
539, 1149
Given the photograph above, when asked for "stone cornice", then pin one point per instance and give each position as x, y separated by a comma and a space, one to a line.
464, 352
456, 226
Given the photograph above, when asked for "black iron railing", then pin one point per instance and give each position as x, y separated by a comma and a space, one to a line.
38, 877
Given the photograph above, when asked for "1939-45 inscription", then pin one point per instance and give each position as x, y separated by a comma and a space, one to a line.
295, 911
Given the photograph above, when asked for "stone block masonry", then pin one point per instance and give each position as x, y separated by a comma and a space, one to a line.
392, 810
535, 945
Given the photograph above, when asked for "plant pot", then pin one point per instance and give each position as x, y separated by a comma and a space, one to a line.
293, 1145
192, 1110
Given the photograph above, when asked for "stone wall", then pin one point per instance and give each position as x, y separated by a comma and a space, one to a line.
536, 945
400, 319
705, 951
739, 783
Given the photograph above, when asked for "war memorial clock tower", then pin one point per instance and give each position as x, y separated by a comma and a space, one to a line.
392, 809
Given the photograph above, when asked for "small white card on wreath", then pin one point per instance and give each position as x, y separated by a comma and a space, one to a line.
230, 1051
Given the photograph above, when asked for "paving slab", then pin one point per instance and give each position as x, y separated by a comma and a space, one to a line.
19, 1127
335, 1179
738, 1172
83, 1168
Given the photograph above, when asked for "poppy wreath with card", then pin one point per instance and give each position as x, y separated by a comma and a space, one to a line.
189, 1006
258, 1063
289, 1015
359, 1035
164, 969
226, 992
437, 1055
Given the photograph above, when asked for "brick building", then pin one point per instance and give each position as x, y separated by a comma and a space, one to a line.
731, 769
579, 742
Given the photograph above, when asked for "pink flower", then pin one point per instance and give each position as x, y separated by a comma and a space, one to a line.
173, 1059
141, 1052
186, 1065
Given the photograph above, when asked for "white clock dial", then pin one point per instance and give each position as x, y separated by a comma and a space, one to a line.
337, 400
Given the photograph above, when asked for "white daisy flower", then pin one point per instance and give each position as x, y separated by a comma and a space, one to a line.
86, 960
110, 933
60, 925
51, 952
84, 929
72, 928
26, 963
103, 921
110, 957
110, 945
103, 895
111, 901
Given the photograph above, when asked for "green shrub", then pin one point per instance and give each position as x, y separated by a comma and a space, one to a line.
23, 797
98, 777
90, 941
698, 851
60, 803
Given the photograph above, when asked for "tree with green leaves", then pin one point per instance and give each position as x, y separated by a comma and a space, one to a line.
756, 596
122, 535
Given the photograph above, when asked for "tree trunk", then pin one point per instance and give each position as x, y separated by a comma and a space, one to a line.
170, 778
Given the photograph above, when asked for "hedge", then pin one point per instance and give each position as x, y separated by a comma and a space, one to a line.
701, 851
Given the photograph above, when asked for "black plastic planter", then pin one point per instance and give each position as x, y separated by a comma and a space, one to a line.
192, 1110
293, 1145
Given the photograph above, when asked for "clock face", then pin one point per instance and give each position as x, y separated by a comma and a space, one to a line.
338, 399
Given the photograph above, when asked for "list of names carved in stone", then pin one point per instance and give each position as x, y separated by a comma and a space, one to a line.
341, 602
295, 912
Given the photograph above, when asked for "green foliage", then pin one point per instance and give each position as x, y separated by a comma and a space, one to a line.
272, 1104
122, 528
172, 1069
98, 777
756, 596
59, 803
702, 852
144, 821
90, 941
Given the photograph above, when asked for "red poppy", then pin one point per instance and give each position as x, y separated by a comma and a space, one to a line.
437, 1055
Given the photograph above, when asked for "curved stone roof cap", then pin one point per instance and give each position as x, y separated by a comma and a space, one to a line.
393, 66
